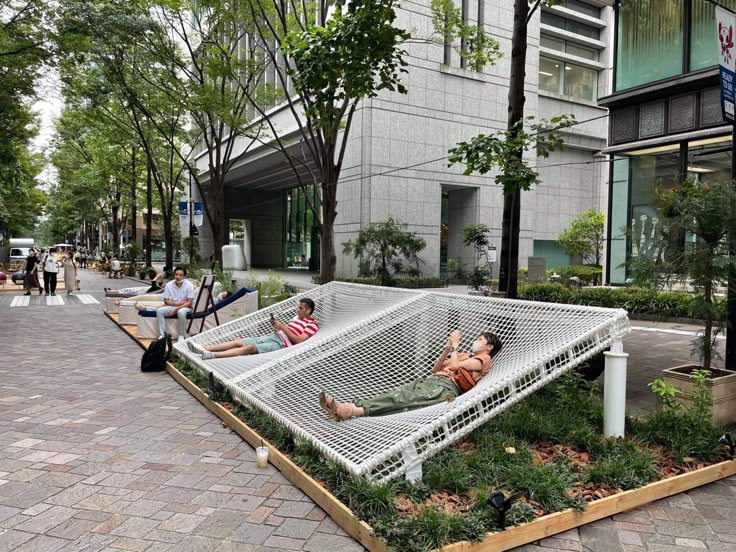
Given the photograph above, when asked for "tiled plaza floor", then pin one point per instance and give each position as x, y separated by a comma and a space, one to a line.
95, 455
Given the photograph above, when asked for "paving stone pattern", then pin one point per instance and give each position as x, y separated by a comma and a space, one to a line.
95, 455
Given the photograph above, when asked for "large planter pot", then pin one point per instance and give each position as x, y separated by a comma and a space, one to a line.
721, 386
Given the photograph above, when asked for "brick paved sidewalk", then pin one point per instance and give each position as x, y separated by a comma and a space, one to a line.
96, 456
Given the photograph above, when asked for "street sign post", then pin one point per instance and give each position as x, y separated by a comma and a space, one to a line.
726, 28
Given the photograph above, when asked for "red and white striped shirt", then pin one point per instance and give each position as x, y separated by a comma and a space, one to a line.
299, 326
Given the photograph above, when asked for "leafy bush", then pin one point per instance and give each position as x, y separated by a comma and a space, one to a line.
673, 304
588, 274
431, 528
447, 471
384, 247
368, 500
623, 465
409, 282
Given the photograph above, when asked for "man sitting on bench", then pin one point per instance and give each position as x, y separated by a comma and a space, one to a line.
178, 296
115, 270
299, 329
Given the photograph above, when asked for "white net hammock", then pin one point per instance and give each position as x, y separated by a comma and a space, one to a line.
374, 339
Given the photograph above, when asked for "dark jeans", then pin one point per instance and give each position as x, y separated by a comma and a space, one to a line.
49, 282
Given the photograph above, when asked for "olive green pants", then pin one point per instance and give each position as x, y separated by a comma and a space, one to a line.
416, 394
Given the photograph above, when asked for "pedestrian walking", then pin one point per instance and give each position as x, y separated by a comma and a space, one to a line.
70, 272
50, 271
30, 282
83, 259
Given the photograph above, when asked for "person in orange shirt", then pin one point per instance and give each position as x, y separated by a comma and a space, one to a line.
453, 374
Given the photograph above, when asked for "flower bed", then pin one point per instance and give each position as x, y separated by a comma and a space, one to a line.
549, 448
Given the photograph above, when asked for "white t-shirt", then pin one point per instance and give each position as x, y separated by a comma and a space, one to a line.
115, 264
49, 264
178, 294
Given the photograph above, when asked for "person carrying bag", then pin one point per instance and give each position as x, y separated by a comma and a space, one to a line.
50, 272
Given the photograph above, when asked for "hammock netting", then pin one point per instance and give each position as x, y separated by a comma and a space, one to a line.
374, 339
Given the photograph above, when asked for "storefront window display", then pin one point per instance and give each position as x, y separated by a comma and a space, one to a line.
636, 222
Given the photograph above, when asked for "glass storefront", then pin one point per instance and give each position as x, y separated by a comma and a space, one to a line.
635, 218
299, 227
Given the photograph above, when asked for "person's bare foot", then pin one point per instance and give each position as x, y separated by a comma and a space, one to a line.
140, 307
117, 303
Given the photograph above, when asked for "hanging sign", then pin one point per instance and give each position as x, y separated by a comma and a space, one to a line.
726, 26
198, 213
183, 212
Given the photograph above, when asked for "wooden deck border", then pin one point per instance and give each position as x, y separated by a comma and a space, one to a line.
520, 535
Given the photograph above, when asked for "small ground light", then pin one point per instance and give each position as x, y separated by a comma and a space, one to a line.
727, 440
499, 502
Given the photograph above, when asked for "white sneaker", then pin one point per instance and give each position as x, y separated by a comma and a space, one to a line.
181, 339
207, 355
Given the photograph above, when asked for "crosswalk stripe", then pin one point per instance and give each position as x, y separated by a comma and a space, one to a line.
21, 301
54, 300
87, 299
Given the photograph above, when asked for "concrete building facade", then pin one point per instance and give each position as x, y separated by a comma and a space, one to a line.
396, 162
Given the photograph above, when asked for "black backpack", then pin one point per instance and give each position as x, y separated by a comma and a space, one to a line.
157, 355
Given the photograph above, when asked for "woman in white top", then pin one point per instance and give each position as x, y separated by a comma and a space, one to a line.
50, 272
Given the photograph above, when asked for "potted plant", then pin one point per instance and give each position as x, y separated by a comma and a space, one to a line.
698, 217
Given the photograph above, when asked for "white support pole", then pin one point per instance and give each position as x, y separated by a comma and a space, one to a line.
614, 391
414, 469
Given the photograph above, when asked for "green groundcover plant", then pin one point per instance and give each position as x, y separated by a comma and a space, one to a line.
548, 448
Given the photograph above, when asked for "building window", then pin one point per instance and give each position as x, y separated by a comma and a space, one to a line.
567, 79
585, 9
650, 38
570, 26
554, 43
703, 46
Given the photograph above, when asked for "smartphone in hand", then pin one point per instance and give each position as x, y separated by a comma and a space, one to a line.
273, 319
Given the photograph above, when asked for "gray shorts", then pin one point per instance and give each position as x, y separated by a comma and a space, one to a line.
264, 343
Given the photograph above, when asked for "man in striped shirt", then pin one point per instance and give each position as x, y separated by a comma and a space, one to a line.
299, 329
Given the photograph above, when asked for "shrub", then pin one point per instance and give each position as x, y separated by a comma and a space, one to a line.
673, 304
447, 471
623, 465
431, 528
409, 282
384, 247
588, 274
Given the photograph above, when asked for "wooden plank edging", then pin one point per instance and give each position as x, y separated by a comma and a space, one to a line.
520, 535
340, 513
559, 522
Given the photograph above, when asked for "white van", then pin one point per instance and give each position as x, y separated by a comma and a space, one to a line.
20, 248
18, 254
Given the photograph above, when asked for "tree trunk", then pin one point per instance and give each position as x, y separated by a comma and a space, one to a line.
169, 240
509, 273
116, 228
133, 199
217, 185
149, 217
708, 330
328, 260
